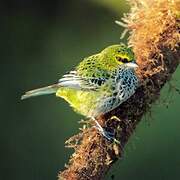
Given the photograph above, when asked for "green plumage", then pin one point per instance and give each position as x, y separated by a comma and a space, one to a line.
99, 83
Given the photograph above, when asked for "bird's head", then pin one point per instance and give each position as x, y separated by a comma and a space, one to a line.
117, 55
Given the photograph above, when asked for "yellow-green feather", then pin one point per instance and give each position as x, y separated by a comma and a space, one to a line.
82, 101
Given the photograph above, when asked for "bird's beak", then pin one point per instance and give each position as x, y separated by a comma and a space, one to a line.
132, 65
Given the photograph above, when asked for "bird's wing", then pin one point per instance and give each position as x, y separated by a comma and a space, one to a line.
88, 75
76, 81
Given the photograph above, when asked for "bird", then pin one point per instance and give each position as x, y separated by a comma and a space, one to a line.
98, 84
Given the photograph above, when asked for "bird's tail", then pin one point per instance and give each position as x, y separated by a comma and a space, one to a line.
41, 91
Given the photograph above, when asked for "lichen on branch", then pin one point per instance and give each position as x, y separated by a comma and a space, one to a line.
154, 28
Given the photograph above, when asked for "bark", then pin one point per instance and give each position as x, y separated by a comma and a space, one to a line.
154, 36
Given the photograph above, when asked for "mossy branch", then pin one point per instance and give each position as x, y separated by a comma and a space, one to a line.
154, 36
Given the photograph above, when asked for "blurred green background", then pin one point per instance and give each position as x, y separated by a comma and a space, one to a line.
40, 41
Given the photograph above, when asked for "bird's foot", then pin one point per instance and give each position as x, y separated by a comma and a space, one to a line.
108, 135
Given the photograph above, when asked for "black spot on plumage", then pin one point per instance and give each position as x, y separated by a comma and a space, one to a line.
115, 94
113, 88
124, 83
113, 99
96, 81
99, 82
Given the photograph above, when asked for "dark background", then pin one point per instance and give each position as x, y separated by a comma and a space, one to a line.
39, 42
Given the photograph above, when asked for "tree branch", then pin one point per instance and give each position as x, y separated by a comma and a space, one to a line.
154, 36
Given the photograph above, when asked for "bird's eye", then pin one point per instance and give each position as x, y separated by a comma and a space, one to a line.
124, 60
